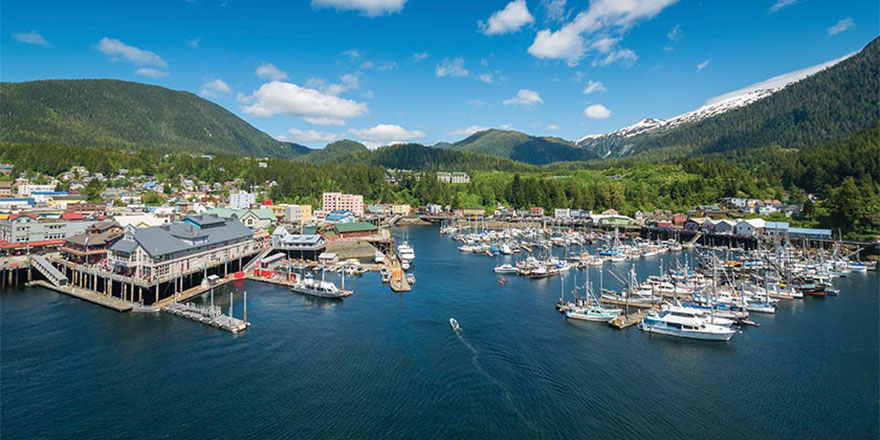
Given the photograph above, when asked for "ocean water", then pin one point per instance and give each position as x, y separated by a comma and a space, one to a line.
383, 365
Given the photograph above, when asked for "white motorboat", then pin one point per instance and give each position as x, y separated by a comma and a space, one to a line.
506, 268
379, 257
323, 289
670, 324
406, 253
454, 324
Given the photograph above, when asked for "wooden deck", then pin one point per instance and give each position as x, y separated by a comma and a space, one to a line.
623, 321
87, 295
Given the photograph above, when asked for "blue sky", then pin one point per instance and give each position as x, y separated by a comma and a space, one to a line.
383, 71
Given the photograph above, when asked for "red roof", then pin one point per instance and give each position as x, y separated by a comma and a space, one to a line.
266, 202
72, 216
28, 214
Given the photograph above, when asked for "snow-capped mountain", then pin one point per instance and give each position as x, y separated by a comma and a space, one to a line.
623, 141
618, 143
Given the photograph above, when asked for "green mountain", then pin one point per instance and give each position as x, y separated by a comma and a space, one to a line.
334, 151
298, 149
830, 105
522, 147
128, 115
422, 158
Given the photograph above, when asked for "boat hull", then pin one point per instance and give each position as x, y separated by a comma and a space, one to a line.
689, 334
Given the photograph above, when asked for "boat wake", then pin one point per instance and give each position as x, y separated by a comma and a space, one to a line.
505, 392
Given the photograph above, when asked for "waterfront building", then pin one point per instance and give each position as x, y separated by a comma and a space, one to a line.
30, 231
724, 226
750, 227
810, 233
304, 246
613, 220
241, 200
695, 223
91, 246
334, 201
562, 213
341, 216
173, 249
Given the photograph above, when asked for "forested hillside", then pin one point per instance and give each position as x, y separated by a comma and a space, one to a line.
521, 147
129, 115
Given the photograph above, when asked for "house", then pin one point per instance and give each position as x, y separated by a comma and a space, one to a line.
91, 246
454, 177
173, 249
679, 219
5, 188
536, 212
256, 219
473, 212
141, 220
561, 213
401, 210
695, 223
750, 227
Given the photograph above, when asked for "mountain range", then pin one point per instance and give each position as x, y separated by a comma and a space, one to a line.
812, 108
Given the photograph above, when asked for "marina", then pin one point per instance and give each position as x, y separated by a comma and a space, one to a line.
290, 330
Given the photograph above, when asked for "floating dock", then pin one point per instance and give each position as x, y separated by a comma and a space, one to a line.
623, 321
208, 315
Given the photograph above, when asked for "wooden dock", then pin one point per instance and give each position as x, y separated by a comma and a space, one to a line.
212, 316
87, 295
192, 292
398, 280
623, 321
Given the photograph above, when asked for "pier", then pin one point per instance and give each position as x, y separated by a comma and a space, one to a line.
211, 315
87, 295
623, 320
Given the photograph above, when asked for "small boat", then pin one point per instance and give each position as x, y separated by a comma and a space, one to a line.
324, 289
454, 324
592, 313
410, 278
503, 281
379, 257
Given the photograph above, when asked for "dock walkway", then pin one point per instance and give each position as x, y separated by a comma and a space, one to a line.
87, 295
623, 321
212, 316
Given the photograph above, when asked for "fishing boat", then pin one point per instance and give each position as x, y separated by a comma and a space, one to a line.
454, 324
670, 324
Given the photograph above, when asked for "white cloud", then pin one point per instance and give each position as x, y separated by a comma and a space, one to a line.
453, 67
367, 65
780, 4
215, 88
841, 26
419, 56
279, 97
555, 10
352, 54
675, 33
270, 72
467, 131
525, 97
486, 78
194, 43
594, 86
603, 18
244, 99
625, 57
597, 111
368, 94
703, 65
297, 135
552, 127
476, 103
31, 37
369, 8
388, 65
323, 121
778, 81
150, 72
510, 19
386, 134
349, 81
116, 49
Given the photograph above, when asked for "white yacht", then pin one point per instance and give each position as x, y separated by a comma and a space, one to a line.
506, 268
406, 253
668, 323
324, 289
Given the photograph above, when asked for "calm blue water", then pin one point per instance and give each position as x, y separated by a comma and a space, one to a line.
380, 365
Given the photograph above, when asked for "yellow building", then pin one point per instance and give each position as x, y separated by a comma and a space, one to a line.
292, 214
400, 209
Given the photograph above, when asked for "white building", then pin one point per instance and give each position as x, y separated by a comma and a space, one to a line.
241, 200
334, 201
562, 213
750, 227
25, 190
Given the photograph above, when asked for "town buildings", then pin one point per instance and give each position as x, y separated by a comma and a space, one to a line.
334, 201
91, 246
29, 231
241, 200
